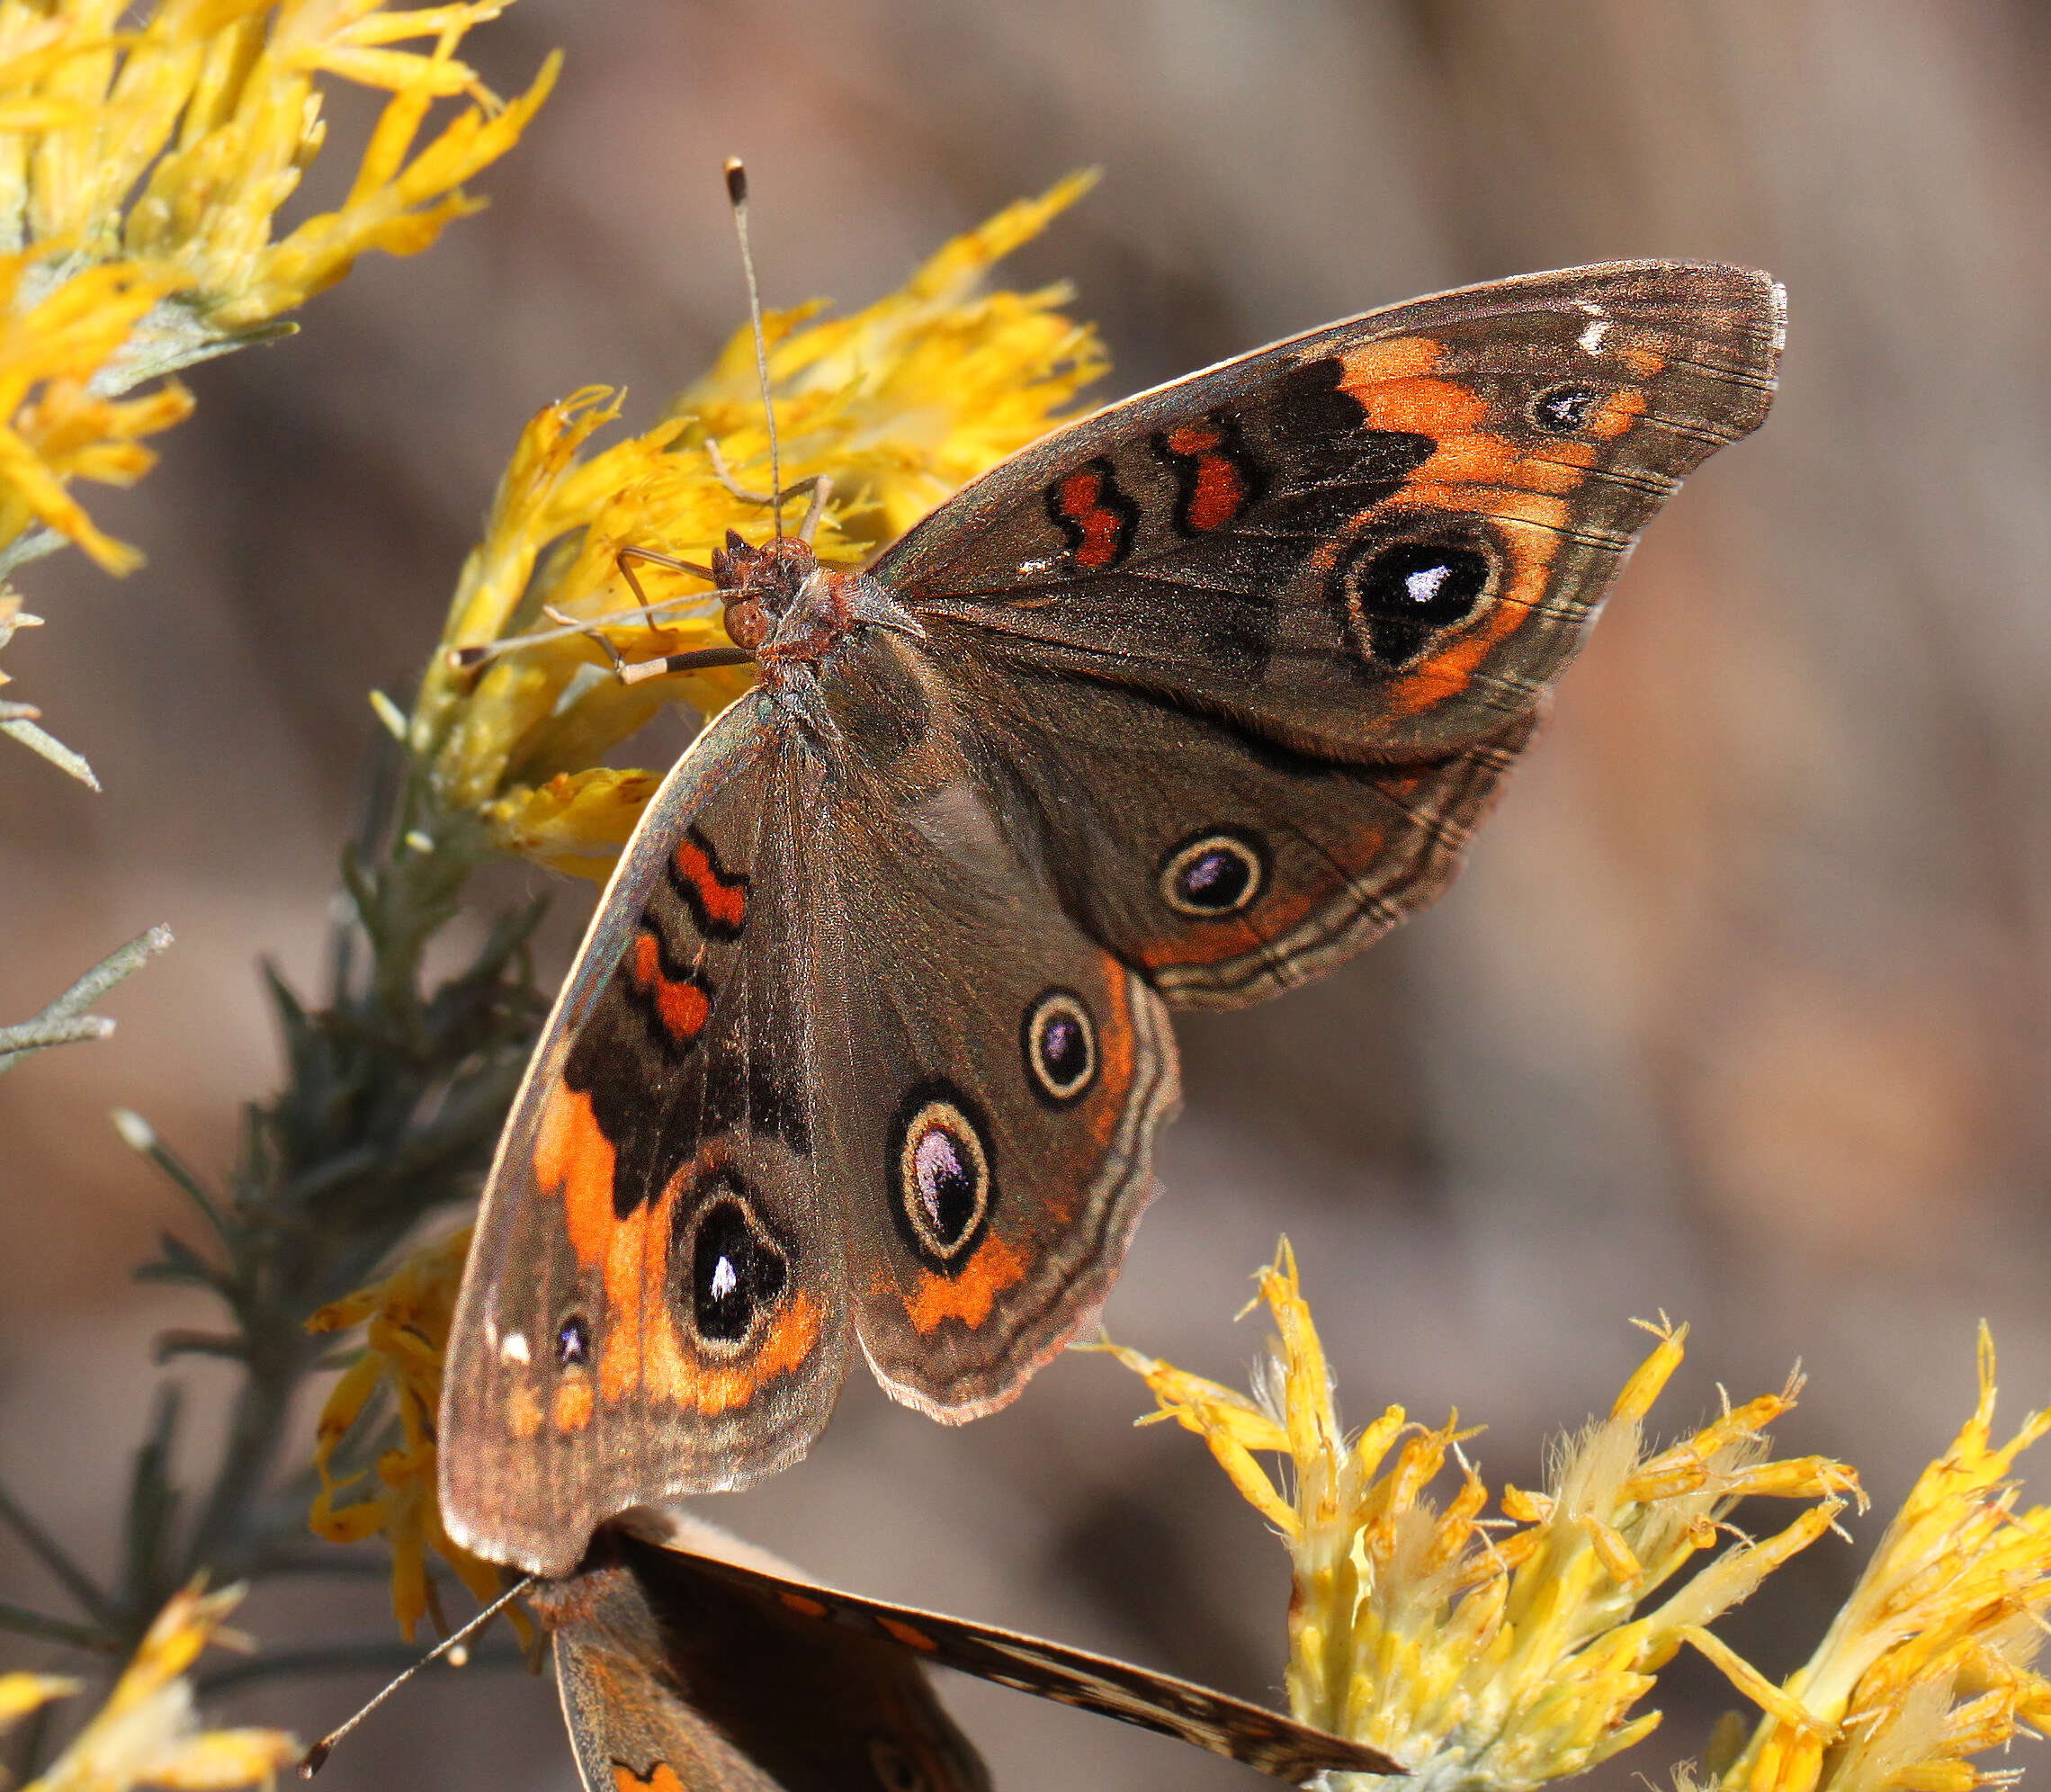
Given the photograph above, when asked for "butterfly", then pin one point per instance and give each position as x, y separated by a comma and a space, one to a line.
1182, 705
683, 1669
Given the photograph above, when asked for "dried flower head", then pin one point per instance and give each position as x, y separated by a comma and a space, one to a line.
1929, 1662
148, 1732
901, 403
1499, 1653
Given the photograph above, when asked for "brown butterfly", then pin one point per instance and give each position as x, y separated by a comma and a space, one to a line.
1182, 705
684, 1670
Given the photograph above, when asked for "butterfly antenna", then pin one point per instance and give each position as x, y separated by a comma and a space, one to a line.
316, 1757
737, 196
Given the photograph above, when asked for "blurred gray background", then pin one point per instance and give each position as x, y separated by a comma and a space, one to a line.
1741, 1012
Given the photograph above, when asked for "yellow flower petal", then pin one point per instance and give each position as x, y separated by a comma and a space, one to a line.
21, 1694
141, 173
406, 1316
575, 824
54, 428
1929, 1660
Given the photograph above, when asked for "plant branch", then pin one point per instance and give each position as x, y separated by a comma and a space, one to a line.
65, 1020
393, 1095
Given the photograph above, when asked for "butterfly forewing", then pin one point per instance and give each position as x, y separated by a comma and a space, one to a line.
1379, 541
657, 1299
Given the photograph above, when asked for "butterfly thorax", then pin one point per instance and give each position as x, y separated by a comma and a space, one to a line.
780, 603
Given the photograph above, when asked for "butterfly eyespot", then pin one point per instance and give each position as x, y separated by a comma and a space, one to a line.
1213, 873
1059, 1043
942, 1181
895, 1771
737, 1270
572, 1342
1396, 596
1561, 410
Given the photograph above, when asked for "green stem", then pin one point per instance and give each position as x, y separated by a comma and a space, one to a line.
65, 1020
47, 1551
335, 1658
224, 1540
26, 1623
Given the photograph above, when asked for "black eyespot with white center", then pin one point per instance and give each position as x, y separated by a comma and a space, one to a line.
573, 1342
1058, 1041
1561, 410
739, 1271
1215, 874
942, 1173
1397, 597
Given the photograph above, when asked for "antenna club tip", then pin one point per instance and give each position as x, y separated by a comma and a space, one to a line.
315, 1759
736, 180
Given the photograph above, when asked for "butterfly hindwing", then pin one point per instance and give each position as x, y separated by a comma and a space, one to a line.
657, 1294
1222, 867
994, 1076
1380, 541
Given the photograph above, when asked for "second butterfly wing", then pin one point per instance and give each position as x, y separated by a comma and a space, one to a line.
684, 1670
675, 1681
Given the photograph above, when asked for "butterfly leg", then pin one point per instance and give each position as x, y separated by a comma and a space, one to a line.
468, 658
819, 485
638, 671
744, 493
623, 560
821, 490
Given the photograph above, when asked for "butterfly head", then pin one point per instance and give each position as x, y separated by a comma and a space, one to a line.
786, 608
758, 586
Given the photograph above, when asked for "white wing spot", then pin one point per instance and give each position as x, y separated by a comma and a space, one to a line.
1592, 337
513, 1346
725, 1278
1033, 568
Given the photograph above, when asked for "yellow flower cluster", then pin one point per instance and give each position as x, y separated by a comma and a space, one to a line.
407, 1315
1506, 1652
900, 403
142, 165
147, 1733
